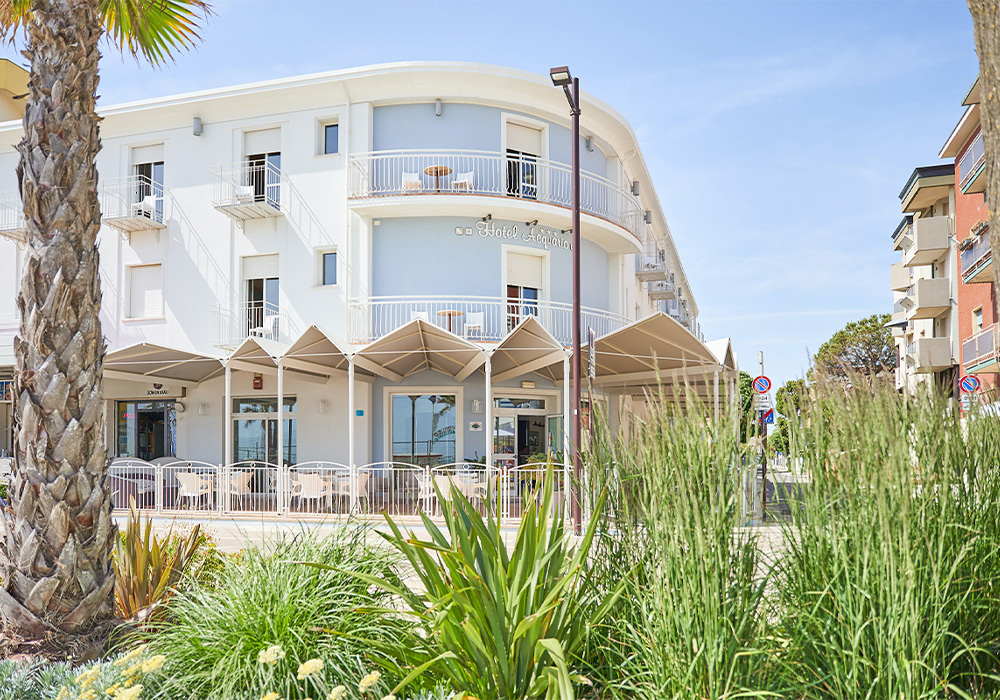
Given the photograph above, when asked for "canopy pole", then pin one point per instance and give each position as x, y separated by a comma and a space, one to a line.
489, 414
567, 421
227, 450
716, 391
350, 432
281, 436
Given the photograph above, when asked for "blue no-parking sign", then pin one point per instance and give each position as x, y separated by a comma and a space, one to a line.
761, 384
767, 416
969, 383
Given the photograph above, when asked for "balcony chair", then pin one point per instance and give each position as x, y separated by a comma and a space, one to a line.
268, 327
342, 488
475, 321
244, 194
239, 488
193, 486
146, 206
420, 315
411, 182
312, 487
463, 182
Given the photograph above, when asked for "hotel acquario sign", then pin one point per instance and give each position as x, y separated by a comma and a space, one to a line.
539, 235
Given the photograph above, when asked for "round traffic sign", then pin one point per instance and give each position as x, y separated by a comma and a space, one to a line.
969, 383
761, 384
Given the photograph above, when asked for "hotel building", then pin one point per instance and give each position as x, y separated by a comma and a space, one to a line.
369, 267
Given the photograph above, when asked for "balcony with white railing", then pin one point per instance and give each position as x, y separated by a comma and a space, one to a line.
11, 217
479, 319
662, 290
971, 166
979, 351
234, 323
977, 260
404, 179
132, 204
931, 239
248, 190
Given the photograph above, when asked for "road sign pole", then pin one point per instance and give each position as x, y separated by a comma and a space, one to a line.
763, 451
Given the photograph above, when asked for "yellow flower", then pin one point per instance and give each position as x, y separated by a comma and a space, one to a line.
309, 668
113, 689
337, 693
369, 681
89, 695
63, 693
271, 696
129, 693
133, 670
271, 656
129, 656
88, 677
153, 663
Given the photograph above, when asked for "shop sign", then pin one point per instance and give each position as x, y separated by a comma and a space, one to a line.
158, 390
539, 235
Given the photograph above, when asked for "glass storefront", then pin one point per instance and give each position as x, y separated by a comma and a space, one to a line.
423, 429
255, 430
146, 429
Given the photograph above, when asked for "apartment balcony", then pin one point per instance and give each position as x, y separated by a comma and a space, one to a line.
248, 191
980, 351
971, 166
659, 291
479, 319
12, 217
927, 298
898, 324
977, 260
929, 355
900, 277
234, 323
509, 187
929, 240
131, 204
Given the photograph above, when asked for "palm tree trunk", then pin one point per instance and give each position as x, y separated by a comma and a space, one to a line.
55, 556
985, 21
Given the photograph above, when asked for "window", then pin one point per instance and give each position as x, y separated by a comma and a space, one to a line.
328, 268
255, 430
524, 148
147, 166
145, 291
423, 429
524, 284
263, 158
977, 320
260, 280
147, 429
521, 403
331, 139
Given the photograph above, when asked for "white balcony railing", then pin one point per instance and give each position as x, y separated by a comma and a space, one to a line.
248, 190
487, 319
11, 217
234, 323
980, 348
406, 172
132, 203
976, 256
971, 161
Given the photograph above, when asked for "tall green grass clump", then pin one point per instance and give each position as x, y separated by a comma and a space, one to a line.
888, 583
689, 624
266, 614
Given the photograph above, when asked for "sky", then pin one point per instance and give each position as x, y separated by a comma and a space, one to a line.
778, 134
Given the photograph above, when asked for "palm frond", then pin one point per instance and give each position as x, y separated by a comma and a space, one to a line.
153, 29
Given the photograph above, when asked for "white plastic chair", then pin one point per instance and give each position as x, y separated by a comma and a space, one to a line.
312, 487
462, 182
244, 194
193, 487
475, 321
239, 487
411, 182
268, 327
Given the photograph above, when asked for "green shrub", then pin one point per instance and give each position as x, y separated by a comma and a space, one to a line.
214, 633
888, 586
32, 681
690, 624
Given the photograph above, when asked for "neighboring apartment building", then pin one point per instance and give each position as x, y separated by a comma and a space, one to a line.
978, 330
368, 265
925, 282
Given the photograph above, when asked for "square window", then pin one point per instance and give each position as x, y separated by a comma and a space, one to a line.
331, 136
145, 291
329, 268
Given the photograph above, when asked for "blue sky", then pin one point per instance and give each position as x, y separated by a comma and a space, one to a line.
778, 134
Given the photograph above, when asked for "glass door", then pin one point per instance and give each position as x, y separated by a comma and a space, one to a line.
262, 308
505, 441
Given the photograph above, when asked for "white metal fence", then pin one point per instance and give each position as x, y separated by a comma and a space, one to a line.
234, 323
11, 216
410, 172
325, 488
134, 198
247, 183
487, 319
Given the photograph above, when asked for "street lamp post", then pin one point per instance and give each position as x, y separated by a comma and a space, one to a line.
571, 86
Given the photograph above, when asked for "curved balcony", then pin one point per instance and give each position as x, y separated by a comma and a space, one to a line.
479, 319
474, 183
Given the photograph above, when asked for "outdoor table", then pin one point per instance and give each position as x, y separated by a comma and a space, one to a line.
437, 172
450, 314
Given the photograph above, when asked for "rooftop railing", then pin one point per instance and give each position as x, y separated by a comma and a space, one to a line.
408, 172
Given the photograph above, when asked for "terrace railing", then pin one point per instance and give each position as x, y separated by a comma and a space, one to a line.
487, 319
976, 255
981, 347
234, 323
411, 172
132, 203
971, 161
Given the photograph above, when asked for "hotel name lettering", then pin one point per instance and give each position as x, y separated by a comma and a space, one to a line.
544, 237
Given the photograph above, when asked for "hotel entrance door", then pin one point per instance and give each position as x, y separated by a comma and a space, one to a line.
523, 431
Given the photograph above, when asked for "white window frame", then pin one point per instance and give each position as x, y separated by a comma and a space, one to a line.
512, 118
127, 316
321, 125
320, 252
390, 391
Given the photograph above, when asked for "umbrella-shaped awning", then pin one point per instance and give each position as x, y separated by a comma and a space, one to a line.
147, 361
528, 348
320, 352
420, 346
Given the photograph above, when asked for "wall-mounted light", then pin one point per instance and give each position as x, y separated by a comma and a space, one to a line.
533, 222
527, 385
635, 187
488, 217
322, 405
590, 143
437, 107
203, 409
648, 217
477, 405
196, 126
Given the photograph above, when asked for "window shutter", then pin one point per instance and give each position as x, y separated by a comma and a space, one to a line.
524, 270
146, 291
524, 139
260, 267
261, 141
147, 154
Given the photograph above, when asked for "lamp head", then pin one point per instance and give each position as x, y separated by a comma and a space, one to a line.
560, 76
